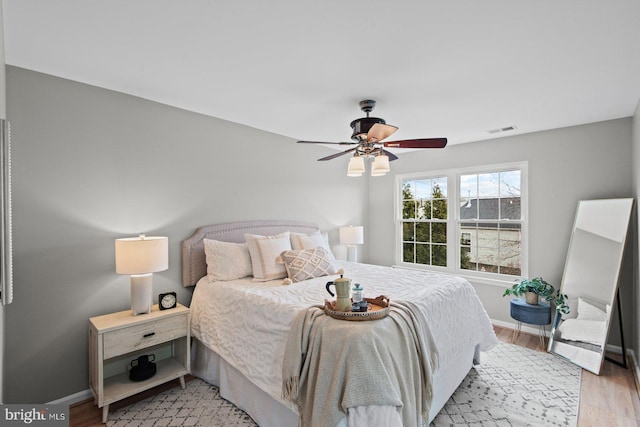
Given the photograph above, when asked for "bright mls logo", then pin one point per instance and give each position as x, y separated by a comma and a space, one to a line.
37, 415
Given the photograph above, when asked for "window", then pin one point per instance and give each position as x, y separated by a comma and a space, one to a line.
469, 221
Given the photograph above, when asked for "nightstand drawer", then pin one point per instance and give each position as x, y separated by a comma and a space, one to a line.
145, 335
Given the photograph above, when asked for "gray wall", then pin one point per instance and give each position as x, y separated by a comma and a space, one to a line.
91, 165
565, 165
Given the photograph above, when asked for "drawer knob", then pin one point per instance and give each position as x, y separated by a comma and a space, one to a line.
150, 334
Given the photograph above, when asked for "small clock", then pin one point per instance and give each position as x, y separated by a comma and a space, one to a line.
167, 300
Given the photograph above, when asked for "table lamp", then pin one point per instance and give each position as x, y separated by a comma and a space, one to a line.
141, 257
352, 236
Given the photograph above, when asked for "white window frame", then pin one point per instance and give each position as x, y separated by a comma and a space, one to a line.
453, 221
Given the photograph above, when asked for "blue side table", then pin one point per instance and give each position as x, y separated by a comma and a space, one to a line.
534, 314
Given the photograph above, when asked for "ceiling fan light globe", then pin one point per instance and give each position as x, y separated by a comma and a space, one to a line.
356, 166
377, 173
380, 165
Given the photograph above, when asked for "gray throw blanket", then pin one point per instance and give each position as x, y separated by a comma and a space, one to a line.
331, 365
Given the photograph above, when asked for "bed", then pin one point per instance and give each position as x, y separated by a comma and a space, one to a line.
240, 326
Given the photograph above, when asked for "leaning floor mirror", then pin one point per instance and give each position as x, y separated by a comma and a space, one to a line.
590, 281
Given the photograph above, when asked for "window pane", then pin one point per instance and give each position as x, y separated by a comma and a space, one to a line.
423, 254
510, 262
510, 249
408, 252
439, 255
468, 234
469, 186
439, 232
488, 208
423, 232
466, 262
489, 185
439, 209
408, 190
423, 189
408, 233
510, 208
408, 209
439, 188
488, 259
488, 235
424, 209
468, 208
510, 184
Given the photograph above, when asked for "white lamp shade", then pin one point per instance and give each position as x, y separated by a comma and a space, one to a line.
352, 235
380, 165
141, 255
356, 166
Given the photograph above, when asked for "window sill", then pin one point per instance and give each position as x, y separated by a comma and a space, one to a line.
503, 283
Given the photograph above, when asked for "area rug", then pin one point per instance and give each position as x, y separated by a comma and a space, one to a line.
514, 386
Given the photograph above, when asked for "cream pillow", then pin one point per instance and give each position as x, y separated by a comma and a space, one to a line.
311, 241
306, 264
226, 260
265, 255
588, 311
591, 331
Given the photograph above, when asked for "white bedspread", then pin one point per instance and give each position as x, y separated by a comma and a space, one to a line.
247, 322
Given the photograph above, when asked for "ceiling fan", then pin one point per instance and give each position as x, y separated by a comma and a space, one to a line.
368, 133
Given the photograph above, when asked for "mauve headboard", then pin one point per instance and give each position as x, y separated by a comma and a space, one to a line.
194, 264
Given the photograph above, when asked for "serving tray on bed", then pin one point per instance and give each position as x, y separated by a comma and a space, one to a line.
380, 307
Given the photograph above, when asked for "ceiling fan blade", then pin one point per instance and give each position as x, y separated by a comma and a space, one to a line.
379, 132
322, 142
391, 156
418, 143
333, 156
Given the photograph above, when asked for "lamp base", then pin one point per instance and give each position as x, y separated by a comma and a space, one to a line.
352, 253
141, 293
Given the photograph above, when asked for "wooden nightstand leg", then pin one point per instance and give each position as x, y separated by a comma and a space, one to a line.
105, 413
182, 384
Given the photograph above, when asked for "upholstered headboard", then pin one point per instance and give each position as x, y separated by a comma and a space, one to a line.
194, 265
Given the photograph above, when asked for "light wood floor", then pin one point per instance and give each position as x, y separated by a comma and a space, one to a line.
608, 399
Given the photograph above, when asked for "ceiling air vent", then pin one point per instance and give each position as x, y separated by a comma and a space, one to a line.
504, 129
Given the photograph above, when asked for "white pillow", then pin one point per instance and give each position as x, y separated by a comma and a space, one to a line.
227, 260
591, 331
588, 311
265, 255
314, 240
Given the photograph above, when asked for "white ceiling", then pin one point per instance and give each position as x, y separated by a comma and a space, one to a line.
453, 68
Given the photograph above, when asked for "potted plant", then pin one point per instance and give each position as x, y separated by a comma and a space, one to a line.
532, 289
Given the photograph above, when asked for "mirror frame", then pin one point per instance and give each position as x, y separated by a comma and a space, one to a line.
6, 240
611, 226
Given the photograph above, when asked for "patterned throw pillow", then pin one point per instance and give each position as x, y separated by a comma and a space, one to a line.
307, 263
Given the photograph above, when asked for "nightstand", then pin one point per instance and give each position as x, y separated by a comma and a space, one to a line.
116, 339
534, 314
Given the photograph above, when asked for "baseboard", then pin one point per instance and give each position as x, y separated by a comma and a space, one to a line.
525, 328
78, 397
636, 370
